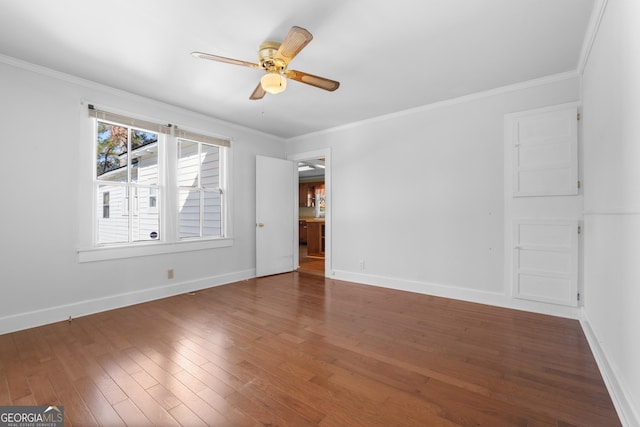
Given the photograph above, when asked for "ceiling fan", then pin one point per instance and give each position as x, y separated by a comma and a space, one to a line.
274, 59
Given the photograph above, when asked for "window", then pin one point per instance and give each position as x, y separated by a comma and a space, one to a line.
153, 198
199, 191
105, 204
126, 165
156, 183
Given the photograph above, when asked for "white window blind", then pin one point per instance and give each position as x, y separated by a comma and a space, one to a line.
168, 129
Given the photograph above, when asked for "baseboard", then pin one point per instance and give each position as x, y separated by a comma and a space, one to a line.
464, 294
35, 318
627, 412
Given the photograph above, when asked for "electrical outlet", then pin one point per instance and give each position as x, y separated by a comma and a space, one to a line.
361, 264
170, 273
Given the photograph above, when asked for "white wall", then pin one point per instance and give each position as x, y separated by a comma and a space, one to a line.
611, 99
44, 198
419, 196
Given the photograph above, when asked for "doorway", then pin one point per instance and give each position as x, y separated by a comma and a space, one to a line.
313, 222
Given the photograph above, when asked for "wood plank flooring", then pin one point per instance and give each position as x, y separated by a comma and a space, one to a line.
301, 350
312, 265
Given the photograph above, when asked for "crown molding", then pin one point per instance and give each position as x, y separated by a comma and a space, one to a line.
590, 36
446, 103
90, 84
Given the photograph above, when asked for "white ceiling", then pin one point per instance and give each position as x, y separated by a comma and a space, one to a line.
388, 55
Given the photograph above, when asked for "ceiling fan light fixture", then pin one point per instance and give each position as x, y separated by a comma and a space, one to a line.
273, 82
274, 58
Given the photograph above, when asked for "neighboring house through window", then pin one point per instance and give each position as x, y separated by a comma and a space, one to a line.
200, 193
155, 183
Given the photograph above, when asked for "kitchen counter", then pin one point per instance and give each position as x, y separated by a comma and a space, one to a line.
311, 219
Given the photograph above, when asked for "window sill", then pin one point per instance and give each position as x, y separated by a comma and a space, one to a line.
148, 249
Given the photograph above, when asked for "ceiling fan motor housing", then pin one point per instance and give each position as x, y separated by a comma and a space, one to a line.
267, 52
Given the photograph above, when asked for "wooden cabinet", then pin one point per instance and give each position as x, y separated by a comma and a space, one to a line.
315, 238
307, 193
302, 231
303, 194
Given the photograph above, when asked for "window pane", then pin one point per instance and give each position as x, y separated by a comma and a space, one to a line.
144, 157
189, 213
111, 152
114, 228
188, 164
141, 138
210, 166
200, 213
212, 222
146, 221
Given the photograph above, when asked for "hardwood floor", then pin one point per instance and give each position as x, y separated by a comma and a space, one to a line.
312, 265
301, 350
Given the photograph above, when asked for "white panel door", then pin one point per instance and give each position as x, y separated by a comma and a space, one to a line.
545, 153
545, 257
275, 211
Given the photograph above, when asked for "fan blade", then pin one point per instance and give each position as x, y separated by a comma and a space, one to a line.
227, 60
296, 40
258, 93
312, 80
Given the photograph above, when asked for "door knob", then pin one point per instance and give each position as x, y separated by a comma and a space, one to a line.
260, 224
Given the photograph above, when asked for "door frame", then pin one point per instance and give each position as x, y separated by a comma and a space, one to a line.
310, 155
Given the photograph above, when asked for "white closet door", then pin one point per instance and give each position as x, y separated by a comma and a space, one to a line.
545, 153
545, 258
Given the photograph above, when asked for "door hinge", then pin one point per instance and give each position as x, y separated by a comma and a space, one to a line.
579, 229
578, 117
578, 296
579, 185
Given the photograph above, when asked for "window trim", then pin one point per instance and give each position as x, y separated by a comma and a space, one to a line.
92, 251
110, 252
